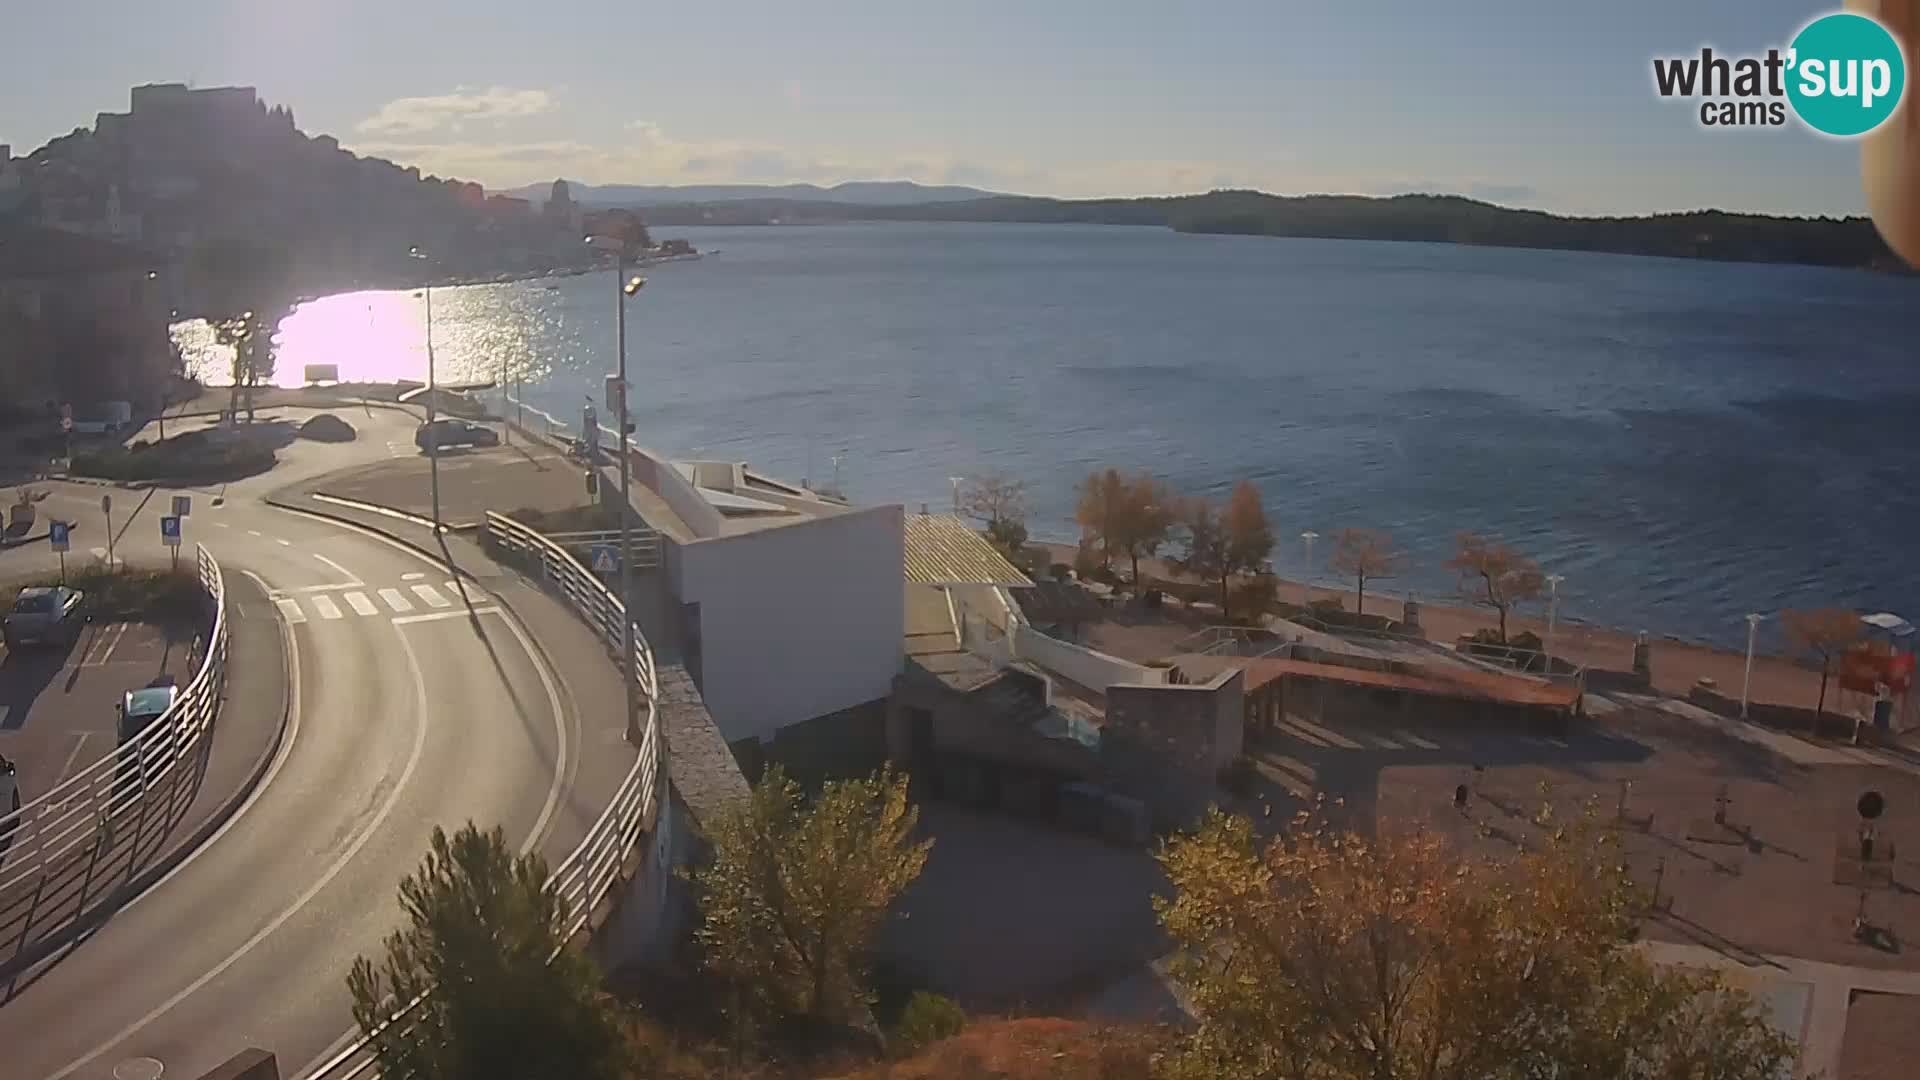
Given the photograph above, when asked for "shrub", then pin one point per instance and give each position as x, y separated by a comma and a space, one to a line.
1240, 777
928, 1018
327, 427
1085, 561
1008, 536
1328, 605
1254, 598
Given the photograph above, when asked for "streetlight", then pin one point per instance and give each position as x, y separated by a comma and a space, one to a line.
1306, 587
1553, 609
433, 430
624, 290
955, 481
1746, 679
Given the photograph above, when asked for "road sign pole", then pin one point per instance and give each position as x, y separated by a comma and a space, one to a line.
63, 568
106, 507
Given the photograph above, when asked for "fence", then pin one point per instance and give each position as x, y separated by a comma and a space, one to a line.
588, 874
68, 851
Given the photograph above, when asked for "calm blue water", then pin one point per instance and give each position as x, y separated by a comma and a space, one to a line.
1685, 441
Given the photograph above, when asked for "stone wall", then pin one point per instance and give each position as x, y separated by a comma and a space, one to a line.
1166, 745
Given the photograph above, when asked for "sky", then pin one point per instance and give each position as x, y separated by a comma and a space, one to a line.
1545, 104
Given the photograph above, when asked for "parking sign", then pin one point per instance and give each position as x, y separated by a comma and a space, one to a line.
57, 535
170, 531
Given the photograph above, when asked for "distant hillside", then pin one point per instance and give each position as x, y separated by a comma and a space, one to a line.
857, 192
1447, 219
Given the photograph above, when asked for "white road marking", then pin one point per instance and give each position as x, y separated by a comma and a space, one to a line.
254, 532
283, 543
324, 604
330, 588
360, 604
290, 611
221, 525
98, 653
333, 871
397, 602
351, 577
436, 616
415, 576
66, 770
432, 596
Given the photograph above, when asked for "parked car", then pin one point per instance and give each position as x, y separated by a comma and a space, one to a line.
442, 433
44, 615
140, 708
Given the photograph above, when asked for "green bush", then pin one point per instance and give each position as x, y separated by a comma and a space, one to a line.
928, 1018
183, 458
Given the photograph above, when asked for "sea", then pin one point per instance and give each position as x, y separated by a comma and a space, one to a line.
1684, 441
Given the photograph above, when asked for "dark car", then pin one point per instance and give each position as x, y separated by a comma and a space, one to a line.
44, 615
442, 433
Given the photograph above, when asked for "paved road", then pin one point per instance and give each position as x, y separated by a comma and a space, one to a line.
415, 705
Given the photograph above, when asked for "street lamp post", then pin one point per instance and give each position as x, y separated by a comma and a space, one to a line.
433, 430
1306, 584
1746, 679
1553, 609
624, 290
955, 481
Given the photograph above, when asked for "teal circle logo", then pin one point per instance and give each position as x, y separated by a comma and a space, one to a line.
1846, 74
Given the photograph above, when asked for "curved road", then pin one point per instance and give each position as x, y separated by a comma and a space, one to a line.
413, 706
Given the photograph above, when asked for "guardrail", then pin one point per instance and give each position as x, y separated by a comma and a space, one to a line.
588, 874
70, 848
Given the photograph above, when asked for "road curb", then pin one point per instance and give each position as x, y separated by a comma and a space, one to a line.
42, 951
279, 502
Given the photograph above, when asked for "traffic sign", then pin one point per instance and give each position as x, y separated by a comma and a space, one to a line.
106, 504
170, 531
57, 535
182, 505
66, 424
606, 558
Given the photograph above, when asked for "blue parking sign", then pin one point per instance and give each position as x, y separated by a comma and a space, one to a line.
170, 531
57, 535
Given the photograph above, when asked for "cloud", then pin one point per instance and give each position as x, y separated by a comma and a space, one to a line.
416, 116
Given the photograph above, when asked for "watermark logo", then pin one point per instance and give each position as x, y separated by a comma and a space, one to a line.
1843, 75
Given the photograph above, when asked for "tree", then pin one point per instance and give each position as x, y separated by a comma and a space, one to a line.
1324, 955
1144, 520
500, 996
250, 336
1208, 555
1826, 633
1249, 537
999, 502
1100, 510
1494, 575
1364, 555
796, 892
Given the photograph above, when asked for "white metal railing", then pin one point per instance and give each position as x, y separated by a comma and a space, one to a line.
65, 847
586, 876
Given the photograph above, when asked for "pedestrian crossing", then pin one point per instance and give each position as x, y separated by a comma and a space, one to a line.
371, 602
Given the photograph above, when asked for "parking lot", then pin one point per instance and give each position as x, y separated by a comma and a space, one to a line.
57, 704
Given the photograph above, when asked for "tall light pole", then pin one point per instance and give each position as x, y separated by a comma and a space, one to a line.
1553, 609
955, 481
1746, 679
433, 430
1306, 584
624, 290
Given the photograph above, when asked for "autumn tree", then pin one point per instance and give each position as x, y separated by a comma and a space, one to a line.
1364, 555
483, 953
250, 336
1249, 537
1824, 633
999, 502
1145, 521
1494, 575
1206, 555
1325, 955
1100, 510
797, 891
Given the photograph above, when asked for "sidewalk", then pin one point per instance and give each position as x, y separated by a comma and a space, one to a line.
245, 737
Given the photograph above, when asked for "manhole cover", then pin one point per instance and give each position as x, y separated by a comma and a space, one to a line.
141, 1068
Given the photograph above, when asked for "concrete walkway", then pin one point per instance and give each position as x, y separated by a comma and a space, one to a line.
1809, 999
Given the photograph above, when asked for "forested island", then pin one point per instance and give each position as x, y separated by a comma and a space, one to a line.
1446, 219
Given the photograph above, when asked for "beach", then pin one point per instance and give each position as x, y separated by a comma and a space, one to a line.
1677, 666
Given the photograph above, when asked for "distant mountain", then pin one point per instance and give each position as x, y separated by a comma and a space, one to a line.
1445, 219
853, 192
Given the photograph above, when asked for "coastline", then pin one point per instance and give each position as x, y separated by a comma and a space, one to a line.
1678, 665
